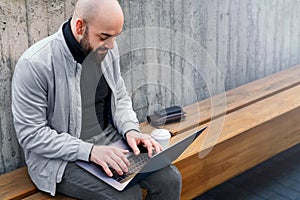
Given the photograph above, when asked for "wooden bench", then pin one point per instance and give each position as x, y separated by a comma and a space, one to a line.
236, 99
249, 136
256, 116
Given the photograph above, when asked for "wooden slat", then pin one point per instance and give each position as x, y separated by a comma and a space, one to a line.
201, 112
16, 185
44, 196
249, 136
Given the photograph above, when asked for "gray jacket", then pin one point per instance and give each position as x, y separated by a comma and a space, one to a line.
46, 106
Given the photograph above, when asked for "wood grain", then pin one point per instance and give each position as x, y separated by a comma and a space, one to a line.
45, 196
249, 136
16, 185
201, 112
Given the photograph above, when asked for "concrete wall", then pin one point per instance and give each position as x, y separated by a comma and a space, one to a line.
172, 51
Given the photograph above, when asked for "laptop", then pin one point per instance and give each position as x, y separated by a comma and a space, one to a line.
142, 165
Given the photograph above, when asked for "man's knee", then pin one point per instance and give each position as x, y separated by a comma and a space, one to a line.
164, 184
169, 175
173, 177
135, 192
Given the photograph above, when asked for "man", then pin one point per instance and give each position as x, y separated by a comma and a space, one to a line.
56, 85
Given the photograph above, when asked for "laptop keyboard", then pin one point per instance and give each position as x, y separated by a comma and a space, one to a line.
136, 164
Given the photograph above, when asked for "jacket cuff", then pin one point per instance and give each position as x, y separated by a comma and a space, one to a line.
129, 127
84, 150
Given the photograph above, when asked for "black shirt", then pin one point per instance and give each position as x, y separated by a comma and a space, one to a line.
103, 91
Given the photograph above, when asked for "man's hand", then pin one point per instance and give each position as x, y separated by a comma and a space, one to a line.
135, 138
112, 156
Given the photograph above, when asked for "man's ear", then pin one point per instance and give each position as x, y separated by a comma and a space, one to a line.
80, 26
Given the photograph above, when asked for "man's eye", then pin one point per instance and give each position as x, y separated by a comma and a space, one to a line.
102, 38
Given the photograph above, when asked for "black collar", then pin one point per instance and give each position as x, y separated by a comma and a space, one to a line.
73, 45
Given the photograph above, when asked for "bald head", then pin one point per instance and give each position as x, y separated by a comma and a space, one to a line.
97, 23
98, 12
91, 10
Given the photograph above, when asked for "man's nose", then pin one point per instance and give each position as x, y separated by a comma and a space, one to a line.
109, 44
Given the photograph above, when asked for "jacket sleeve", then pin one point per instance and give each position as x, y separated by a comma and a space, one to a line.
125, 118
29, 107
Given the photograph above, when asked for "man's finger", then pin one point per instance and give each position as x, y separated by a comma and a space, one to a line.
158, 148
106, 169
133, 145
149, 146
115, 166
124, 158
121, 165
122, 161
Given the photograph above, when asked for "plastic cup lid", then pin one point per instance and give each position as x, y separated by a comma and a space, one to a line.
161, 134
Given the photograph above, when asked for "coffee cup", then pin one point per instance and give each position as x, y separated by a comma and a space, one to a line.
162, 136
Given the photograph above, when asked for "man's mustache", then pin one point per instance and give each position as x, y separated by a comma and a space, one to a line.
101, 49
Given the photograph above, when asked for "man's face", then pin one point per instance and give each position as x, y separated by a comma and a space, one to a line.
98, 39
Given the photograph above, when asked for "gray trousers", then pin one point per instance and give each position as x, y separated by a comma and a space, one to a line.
77, 183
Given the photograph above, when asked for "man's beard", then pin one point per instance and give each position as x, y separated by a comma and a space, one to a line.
88, 50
